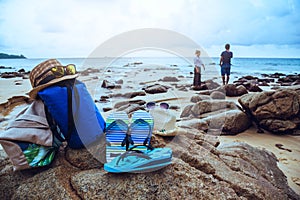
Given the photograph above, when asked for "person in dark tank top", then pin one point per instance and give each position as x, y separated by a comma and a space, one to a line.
225, 63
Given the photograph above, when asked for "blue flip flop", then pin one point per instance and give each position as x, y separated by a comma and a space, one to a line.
141, 129
135, 161
116, 130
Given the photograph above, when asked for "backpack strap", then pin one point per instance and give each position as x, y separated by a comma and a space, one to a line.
52, 124
71, 124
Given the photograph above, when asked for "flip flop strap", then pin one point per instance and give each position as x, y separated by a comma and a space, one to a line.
135, 123
149, 147
133, 153
127, 140
116, 122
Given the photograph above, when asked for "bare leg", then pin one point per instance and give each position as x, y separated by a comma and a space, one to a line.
227, 80
223, 79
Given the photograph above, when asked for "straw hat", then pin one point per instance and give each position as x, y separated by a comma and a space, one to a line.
39, 83
164, 122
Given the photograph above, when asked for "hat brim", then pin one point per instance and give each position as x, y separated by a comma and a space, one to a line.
172, 132
33, 93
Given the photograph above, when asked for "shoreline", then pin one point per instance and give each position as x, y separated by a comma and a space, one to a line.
134, 80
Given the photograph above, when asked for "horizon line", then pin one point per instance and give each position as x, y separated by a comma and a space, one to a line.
82, 57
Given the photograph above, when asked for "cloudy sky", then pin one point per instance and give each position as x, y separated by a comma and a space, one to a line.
74, 28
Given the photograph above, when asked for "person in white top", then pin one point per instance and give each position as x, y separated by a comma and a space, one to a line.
197, 70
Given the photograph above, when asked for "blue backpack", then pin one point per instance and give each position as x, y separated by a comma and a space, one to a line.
75, 112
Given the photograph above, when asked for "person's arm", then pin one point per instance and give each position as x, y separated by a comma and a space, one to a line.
221, 61
203, 66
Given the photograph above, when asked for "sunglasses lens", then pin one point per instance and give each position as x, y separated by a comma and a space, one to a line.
58, 71
150, 105
164, 106
70, 69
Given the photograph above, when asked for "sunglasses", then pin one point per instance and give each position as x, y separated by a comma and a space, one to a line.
59, 71
152, 105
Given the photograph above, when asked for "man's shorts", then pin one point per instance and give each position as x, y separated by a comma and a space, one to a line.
225, 69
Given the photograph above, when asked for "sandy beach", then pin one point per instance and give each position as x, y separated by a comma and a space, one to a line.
136, 77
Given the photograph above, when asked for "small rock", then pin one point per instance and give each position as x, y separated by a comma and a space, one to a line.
217, 95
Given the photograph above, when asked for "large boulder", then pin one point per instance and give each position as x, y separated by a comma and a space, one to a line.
277, 111
217, 116
201, 169
230, 122
232, 90
207, 106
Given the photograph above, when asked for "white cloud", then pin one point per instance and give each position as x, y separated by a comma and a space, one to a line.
55, 28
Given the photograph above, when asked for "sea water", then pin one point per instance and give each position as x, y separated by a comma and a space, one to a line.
240, 66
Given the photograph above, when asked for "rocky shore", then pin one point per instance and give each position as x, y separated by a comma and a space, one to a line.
205, 165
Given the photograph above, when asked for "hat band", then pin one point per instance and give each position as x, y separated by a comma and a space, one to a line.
46, 80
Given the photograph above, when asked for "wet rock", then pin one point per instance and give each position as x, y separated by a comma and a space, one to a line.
106, 109
21, 70
107, 84
134, 94
129, 108
289, 79
297, 82
127, 103
217, 95
170, 79
230, 123
210, 84
89, 71
128, 94
263, 83
233, 90
197, 124
186, 112
202, 107
254, 88
250, 77
241, 90
8, 75
2, 119
198, 98
203, 86
103, 99
120, 81
279, 126
157, 88
277, 75
274, 109
266, 80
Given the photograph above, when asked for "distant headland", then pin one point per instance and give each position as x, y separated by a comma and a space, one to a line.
7, 56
